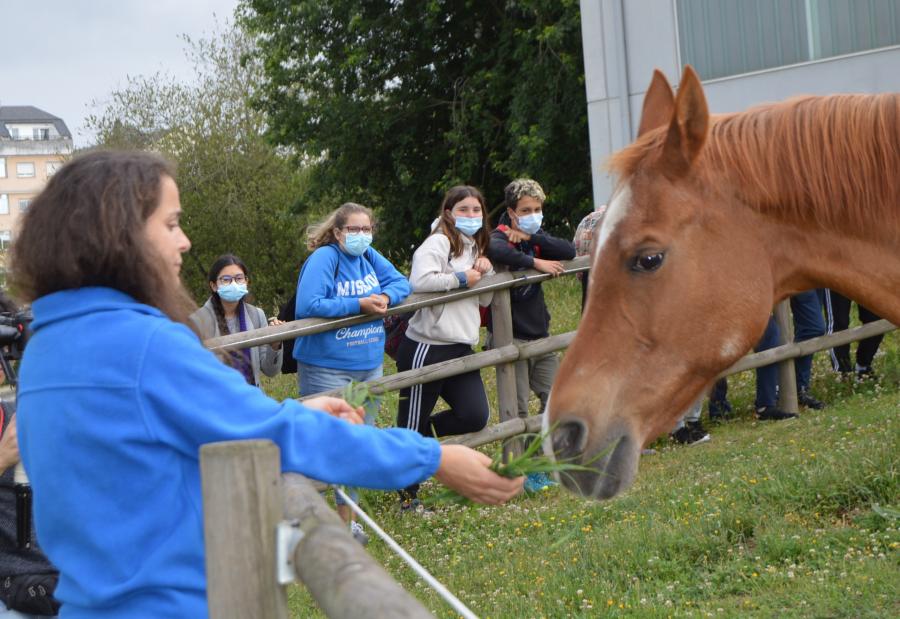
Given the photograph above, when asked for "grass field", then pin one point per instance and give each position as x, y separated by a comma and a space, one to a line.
797, 518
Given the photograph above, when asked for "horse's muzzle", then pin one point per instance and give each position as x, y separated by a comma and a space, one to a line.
612, 460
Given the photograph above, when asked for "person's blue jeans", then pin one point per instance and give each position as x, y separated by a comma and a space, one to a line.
808, 323
767, 376
312, 379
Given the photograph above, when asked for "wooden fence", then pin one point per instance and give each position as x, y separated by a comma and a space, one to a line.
245, 498
247, 506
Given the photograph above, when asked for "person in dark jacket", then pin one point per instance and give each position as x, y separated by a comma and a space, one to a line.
27, 578
520, 243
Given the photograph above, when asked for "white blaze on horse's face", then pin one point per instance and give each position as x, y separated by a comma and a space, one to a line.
618, 208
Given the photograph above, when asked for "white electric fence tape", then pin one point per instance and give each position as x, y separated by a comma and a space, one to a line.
451, 599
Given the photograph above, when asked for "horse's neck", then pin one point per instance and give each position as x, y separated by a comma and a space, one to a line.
865, 270
826, 162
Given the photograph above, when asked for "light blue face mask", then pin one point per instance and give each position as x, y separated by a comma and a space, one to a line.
357, 244
529, 224
232, 292
468, 225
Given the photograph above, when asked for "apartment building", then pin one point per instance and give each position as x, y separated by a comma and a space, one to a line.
33, 145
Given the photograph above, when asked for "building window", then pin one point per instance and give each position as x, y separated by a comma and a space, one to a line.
14, 133
729, 37
4, 204
40, 134
25, 170
5, 239
52, 167
23, 205
2, 167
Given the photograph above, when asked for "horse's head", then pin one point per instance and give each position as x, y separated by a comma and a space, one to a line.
678, 292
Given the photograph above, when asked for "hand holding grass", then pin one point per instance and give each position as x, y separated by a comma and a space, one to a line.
517, 468
467, 473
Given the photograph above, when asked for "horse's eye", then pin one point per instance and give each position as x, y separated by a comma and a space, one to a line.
648, 263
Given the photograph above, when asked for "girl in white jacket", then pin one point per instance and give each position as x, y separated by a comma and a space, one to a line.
451, 257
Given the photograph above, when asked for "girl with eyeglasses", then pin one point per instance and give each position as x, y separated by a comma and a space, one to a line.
226, 311
345, 276
117, 394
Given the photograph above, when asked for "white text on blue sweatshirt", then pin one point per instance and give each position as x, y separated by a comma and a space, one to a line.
330, 286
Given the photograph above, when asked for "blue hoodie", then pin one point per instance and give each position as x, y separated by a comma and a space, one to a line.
115, 401
331, 284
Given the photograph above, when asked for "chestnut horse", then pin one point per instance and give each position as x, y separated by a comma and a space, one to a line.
713, 220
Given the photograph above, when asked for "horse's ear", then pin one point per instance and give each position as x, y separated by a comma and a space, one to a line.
659, 104
689, 124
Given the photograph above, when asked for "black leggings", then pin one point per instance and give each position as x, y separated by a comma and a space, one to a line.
469, 410
837, 317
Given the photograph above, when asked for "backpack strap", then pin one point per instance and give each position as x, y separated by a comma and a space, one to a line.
503, 228
337, 265
252, 316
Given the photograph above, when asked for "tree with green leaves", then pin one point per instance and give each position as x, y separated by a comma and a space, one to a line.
238, 191
397, 100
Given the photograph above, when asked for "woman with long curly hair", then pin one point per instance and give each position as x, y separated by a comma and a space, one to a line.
117, 394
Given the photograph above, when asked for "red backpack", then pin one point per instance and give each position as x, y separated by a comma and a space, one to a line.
394, 327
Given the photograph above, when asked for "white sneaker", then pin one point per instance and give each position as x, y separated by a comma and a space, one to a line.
358, 533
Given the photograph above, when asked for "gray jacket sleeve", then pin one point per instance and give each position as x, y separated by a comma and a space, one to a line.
205, 321
431, 271
269, 360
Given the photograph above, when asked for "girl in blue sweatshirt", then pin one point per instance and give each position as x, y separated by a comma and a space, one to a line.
345, 276
117, 394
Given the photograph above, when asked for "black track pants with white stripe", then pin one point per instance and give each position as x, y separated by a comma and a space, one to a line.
469, 410
837, 318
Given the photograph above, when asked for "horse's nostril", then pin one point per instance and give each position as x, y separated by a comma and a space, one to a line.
569, 438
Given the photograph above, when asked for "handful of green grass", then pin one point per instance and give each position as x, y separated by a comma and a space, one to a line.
357, 394
528, 462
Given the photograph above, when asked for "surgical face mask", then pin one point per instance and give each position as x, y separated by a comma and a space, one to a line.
232, 292
468, 225
357, 244
530, 224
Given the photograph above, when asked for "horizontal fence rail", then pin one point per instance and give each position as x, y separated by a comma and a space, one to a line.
309, 326
793, 350
509, 353
518, 352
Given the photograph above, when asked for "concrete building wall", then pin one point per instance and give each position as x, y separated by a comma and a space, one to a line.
625, 40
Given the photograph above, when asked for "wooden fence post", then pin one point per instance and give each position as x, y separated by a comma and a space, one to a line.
787, 378
241, 507
507, 402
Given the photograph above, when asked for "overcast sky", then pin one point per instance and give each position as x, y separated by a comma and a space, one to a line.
59, 55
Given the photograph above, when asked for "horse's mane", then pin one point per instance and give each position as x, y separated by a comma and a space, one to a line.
834, 160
